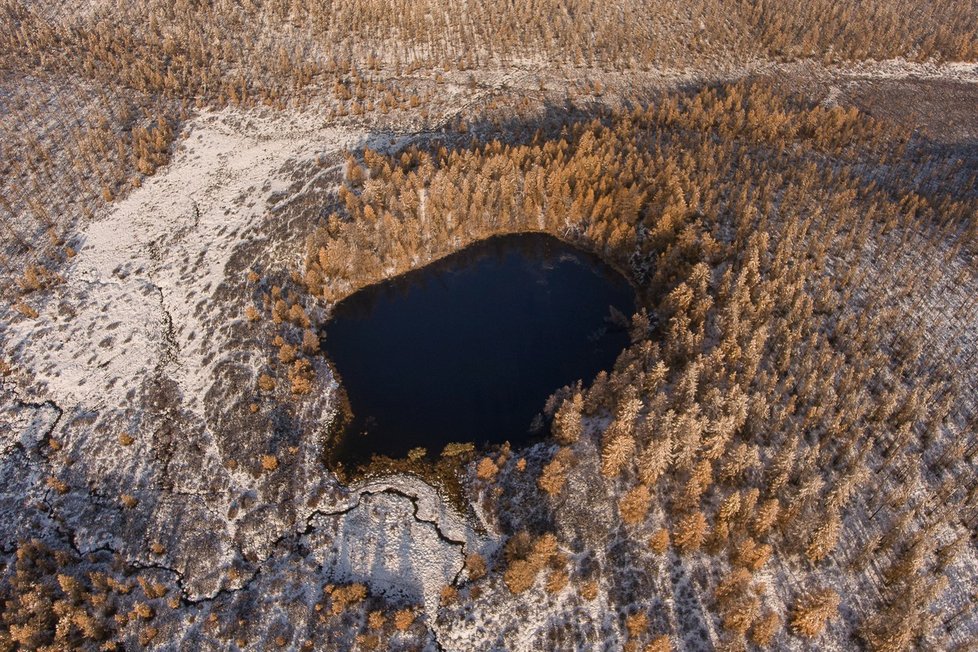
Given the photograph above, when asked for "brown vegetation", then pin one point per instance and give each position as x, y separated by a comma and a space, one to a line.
487, 469
765, 628
690, 532
782, 377
762, 231
403, 619
343, 597
475, 566
526, 557
52, 600
554, 474
341, 45
813, 610
634, 505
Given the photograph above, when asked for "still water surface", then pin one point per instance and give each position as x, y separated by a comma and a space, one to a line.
469, 348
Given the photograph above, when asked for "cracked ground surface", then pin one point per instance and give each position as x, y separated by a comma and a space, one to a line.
136, 378
142, 442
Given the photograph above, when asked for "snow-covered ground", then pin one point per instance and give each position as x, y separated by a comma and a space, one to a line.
141, 342
157, 257
138, 375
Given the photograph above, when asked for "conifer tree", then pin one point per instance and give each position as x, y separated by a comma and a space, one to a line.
812, 611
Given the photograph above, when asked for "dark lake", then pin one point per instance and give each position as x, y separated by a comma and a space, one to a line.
469, 348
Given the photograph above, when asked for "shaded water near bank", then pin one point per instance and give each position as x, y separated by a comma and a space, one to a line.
468, 349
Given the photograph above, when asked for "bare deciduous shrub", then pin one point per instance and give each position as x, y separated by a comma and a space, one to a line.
147, 635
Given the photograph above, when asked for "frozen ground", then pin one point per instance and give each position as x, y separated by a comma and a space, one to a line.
137, 378
146, 340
